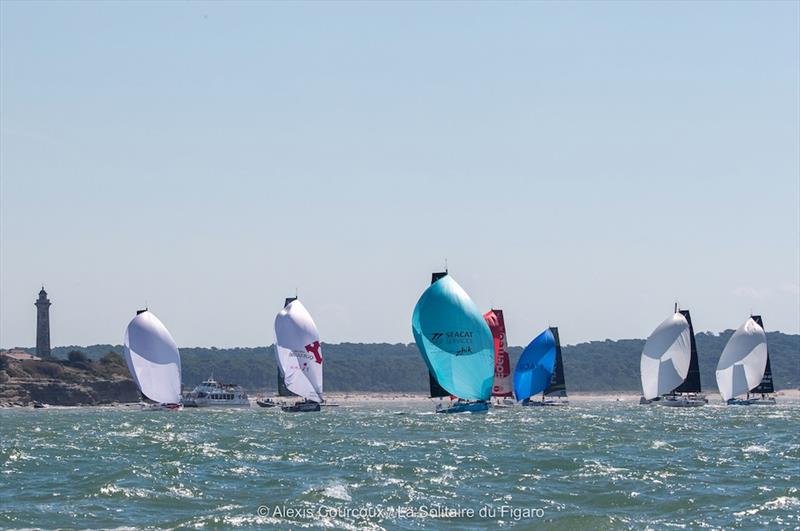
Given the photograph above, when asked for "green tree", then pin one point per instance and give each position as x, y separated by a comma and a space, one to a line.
112, 358
76, 356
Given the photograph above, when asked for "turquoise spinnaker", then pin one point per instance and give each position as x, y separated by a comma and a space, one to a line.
535, 367
454, 340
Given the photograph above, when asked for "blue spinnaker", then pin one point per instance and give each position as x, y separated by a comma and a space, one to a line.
535, 367
454, 340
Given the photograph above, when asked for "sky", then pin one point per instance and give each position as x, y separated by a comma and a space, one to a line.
581, 164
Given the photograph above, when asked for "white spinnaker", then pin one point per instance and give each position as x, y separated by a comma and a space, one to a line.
666, 356
153, 359
743, 360
298, 351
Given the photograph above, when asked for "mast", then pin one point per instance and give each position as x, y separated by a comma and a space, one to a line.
558, 385
692, 382
766, 385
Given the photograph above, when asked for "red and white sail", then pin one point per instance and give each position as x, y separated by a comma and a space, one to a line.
502, 364
298, 351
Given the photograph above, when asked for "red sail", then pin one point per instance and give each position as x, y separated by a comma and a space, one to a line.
502, 365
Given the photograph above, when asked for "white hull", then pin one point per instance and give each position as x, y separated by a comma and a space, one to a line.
675, 401
211, 393
682, 401
207, 402
503, 403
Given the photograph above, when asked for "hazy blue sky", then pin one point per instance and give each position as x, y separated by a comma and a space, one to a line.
578, 164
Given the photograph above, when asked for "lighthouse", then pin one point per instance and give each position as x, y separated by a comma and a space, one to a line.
43, 325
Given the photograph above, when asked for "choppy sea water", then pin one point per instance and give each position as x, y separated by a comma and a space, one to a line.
395, 465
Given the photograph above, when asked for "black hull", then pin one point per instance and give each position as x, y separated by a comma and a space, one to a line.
301, 407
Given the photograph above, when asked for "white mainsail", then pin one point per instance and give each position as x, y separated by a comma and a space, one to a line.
743, 360
298, 351
153, 359
666, 355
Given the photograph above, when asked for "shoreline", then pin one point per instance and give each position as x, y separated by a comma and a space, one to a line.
378, 397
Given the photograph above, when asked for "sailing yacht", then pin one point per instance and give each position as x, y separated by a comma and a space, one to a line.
456, 344
501, 390
299, 355
669, 365
765, 389
743, 367
535, 368
153, 361
556, 392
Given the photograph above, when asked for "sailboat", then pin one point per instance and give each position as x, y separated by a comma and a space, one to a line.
765, 388
153, 361
556, 392
535, 368
283, 391
742, 366
456, 344
501, 390
669, 365
299, 355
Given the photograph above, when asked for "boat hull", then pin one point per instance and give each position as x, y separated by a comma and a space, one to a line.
466, 407
202, 402
756, 401
301, 407
160, 407
682, 401
264, 403
545, 403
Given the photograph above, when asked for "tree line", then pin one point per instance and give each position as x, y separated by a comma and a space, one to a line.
605, 366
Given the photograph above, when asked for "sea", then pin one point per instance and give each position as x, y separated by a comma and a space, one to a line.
394, 464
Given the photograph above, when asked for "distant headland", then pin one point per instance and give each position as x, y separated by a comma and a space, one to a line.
96, 374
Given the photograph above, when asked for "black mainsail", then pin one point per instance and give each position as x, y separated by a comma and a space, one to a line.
558, 386
437, 391
766, 381
282, 389
692, 382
